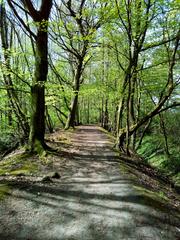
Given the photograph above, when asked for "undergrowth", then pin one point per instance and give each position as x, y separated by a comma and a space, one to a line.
6, 142
152, 150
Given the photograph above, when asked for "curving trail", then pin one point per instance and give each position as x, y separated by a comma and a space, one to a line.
93, 200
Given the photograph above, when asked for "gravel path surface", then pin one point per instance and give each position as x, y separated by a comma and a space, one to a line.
93, 200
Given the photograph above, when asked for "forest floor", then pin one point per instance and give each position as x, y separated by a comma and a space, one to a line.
97, 197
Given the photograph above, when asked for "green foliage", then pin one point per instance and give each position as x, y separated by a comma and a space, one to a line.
7, 137
150, 146
152, 149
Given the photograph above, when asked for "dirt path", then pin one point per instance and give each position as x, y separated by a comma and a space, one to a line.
93, 200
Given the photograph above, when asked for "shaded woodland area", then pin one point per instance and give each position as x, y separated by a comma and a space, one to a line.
109, 63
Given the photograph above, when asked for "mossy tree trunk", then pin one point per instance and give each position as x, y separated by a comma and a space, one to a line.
37, 126
40, 18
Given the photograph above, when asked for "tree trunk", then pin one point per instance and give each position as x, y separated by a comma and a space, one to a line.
40, 17
74, 102
37, 127
49, 123
106, 116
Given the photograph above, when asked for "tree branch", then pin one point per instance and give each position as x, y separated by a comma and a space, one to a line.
20, 19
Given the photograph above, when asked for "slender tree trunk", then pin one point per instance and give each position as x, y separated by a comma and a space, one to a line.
49, 123
74, 103
106, 115
128, 118
72, 115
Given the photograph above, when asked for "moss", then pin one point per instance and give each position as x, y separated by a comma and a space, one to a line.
71, 129
64, 139
4, 190
39, 148
19, 164
2, 171
46, 159
10, 161
26, 169
123, 168
159, 197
